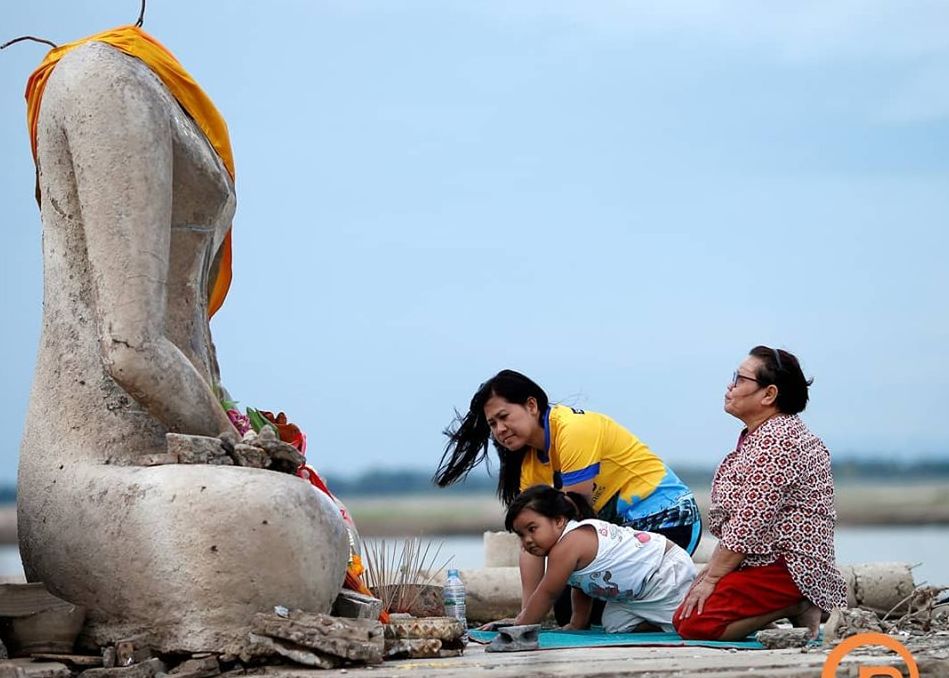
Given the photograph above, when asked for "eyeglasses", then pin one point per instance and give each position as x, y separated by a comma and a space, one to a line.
736, 377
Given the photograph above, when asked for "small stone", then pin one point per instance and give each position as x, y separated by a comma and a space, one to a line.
195, 449
229, 440
250, 456
356, 605
108, 657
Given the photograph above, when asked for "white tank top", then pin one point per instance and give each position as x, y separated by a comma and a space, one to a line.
625, 561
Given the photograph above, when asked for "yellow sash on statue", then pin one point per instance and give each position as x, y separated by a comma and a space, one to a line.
137, 43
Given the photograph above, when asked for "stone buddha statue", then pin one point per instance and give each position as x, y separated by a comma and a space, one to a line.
135, 205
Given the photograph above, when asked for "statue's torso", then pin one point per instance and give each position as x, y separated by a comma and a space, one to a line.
74, 400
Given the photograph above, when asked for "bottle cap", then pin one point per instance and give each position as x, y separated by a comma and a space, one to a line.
453, 573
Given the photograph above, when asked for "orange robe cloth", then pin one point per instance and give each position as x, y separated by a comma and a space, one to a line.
137, 43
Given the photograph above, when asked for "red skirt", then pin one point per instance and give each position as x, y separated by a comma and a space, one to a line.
741, 594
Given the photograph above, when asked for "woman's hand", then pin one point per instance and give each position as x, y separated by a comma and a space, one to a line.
494, 625
699, 592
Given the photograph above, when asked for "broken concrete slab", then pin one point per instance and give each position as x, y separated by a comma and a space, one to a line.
146, 669
203, 667
353, 639
297, 653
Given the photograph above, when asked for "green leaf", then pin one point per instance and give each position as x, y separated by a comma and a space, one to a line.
257, 421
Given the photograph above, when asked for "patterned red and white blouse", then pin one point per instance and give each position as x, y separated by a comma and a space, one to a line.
773, 497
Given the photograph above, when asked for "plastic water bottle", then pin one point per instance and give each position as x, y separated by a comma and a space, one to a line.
454, 596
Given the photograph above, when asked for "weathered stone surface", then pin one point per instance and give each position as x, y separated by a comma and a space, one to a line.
441, 628
108, 657
848, 622
492, 593
519, 638
22, 600
353, 639
250, 456
72, 660
501, 549
779, 639
283, 456
204, 667
135, 207
356, 605
158, 459
297, 653
191, 449
146, 669
883, 586
25, 668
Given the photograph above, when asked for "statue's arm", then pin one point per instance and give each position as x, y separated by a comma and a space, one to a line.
121, 147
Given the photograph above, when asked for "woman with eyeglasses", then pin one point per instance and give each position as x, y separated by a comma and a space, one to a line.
543, 443
772, 510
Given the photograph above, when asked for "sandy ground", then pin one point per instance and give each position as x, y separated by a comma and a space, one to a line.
642, 662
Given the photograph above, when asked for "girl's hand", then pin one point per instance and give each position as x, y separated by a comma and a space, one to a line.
697, 595
494, 625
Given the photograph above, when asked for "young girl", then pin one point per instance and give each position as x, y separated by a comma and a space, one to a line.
642, 576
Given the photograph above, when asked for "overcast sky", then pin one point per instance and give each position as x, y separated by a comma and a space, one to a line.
617, 198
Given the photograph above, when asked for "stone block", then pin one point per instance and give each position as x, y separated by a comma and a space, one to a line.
355, 605
501, 549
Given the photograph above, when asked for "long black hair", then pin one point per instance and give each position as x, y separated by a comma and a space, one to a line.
781, 368
468, 435
550, 502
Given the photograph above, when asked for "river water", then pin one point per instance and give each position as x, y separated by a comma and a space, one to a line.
926, 545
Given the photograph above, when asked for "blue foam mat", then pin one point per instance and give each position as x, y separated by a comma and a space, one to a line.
556, 639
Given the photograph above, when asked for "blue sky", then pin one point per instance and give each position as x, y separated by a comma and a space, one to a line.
617, 198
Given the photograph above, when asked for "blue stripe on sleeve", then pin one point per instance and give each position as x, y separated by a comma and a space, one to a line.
588, 473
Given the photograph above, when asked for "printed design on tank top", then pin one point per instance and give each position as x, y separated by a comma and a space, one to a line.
600, 584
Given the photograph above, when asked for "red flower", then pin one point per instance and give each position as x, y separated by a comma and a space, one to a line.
289, 433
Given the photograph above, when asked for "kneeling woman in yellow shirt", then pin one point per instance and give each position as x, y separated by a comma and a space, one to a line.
577, 451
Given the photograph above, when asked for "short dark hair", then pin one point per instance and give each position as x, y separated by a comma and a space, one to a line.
550, 502
781, 368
